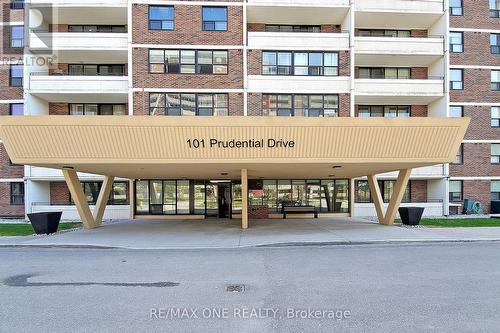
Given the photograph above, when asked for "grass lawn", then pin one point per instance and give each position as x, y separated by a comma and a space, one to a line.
465, 222
24, 229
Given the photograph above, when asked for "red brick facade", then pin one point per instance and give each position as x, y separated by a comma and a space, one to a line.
418, 190
187, 27
476, 15
477, 87
6, 209
6, 91
480, 125
477, 51
477, 190
8, 170
476, 162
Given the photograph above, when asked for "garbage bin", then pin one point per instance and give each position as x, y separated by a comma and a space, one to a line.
45, 222
411, 215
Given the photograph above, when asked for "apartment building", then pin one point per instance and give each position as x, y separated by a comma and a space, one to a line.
201, 60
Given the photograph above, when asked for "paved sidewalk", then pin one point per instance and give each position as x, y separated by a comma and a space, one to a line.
195, 234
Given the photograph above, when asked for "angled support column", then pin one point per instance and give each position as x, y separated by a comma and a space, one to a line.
395, 201
377, 197
244, 198
76, 190
102, 199
397, 196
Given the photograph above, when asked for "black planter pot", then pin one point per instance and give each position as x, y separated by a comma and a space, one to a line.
45, 222
411, 215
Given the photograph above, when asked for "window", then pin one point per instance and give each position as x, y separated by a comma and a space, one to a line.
214, 18
362, 191
495, 189
16, 109
17, 36
91, 70
97, 109
455, 190
459, 157
495, 43
16, 193
495, 153
389, 111
118, 195
495, 116
384, 33
494, 8
16, 75
456, 42
495, 80
175, 104
300, 105
456, 111
456, 8
300, 63
97, 28
456, 79
188, 61
161, 18
292, 28
17, 4
384, 73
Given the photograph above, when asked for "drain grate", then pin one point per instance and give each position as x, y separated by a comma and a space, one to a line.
235, 288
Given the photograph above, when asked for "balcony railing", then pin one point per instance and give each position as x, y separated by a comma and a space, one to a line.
89, 84
432, 45
302, 40
433, 86
78, 40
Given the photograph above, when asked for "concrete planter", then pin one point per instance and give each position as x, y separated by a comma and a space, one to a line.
45, 222
411, 215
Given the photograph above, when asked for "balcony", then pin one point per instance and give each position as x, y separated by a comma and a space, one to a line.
380, 51
426, 6
298, 84
79, 89
80, 3
298, 40
398, 14
308, 12
400, 91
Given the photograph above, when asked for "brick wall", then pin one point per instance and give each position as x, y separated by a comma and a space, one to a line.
419, 33
6, 91
477, 190
344, 63
330, 28
141, 104
476, 15
419, 73
10, 15
7, 170
58, 27
480, 125
59, 109
5, 32
59, 193
258, 27
477, 162
418, 189
476, 50
6, 209
233, 80
187, 27
477, 87
4, 109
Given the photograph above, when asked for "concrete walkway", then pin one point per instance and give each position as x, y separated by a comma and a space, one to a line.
195, 234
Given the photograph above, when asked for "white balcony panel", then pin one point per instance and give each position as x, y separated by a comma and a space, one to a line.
430, 172
298, 41
69, 213
298, 84
297, 12
83, 12
80, 89
380, 51
425, 6
81, 3
431, 209
307, 3
48, 174
79, 41
393, 91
